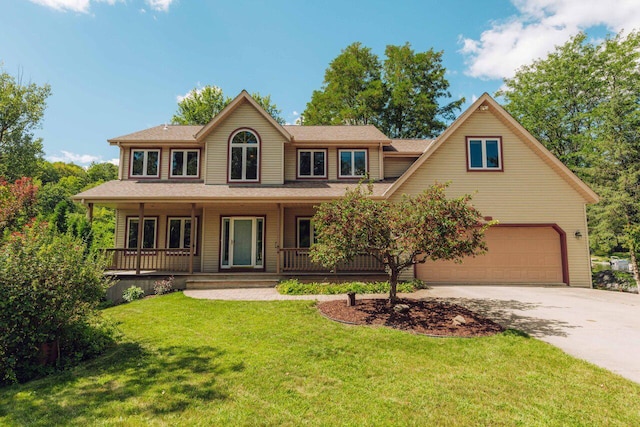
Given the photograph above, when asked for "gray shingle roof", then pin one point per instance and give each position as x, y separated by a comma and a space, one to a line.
417, 146
140, 191
162, 133
368, 133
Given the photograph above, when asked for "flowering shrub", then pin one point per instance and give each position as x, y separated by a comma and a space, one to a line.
163, 286
133, 293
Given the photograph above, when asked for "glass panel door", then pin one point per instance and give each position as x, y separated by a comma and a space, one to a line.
242, 242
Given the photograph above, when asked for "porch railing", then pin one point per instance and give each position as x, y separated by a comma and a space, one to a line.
297, 260
150, 259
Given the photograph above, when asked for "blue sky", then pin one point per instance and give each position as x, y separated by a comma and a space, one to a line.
118, 66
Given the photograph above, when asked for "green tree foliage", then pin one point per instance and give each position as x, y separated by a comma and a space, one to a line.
21, 110
199, 106
428, 226
401, 95
20, 157
352, 92
583, 103
102, 172
49, 291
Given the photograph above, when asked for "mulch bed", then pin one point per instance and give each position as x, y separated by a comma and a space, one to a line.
429, 317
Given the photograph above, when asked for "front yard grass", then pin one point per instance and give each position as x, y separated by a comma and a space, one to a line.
183, 361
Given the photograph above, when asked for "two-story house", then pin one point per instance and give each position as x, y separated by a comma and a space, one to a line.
238, 195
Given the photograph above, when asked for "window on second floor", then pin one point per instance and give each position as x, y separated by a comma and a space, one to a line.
312, 163
145, 163
179, 233
353, 163
484, 153
244, 156
148, 233
185, 163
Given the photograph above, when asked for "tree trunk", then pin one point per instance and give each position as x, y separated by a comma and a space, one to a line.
634, 268
393, 285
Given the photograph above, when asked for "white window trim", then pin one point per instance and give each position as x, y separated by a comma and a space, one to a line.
145, 160
311, 230
353, 163
244, 157
155, 231
183, 220
483, 145
184, 163
313, 151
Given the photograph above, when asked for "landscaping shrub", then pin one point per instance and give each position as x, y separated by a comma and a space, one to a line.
132, 294
295, 287
49, 291
163, 286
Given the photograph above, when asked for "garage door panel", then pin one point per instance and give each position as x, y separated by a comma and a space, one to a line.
515, 255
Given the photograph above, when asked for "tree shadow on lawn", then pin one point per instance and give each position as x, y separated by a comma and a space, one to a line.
141, 381
502, 312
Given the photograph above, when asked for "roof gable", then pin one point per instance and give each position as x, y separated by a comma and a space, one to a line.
243, 97
487, 102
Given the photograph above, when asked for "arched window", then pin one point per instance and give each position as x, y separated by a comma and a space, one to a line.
244, 156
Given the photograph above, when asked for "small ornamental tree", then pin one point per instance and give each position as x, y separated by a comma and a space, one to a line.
428, 226
17, 203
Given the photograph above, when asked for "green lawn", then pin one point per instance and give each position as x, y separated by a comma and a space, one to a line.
192, 362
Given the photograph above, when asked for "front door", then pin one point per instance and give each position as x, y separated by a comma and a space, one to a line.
242, 242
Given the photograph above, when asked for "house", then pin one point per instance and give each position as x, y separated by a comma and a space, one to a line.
238, 194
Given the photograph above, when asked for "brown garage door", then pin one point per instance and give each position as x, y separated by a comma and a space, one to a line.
515, 255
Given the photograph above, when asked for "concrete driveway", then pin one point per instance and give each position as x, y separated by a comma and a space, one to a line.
602, 327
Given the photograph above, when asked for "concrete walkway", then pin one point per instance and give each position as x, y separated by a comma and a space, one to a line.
601, 327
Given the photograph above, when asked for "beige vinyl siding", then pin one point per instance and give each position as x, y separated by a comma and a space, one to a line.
212, 239
217, 146
527, 192
124, 162
396, 166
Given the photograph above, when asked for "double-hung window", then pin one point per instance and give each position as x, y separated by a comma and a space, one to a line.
185, 163
244, 157
484, 153
145, 163
148, 233
312, 163
306, 233
179, 233
353, 163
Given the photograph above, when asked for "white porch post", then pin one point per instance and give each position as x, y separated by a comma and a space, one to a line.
192, 234
140, 230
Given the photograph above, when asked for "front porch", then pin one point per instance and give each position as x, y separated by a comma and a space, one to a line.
290, 261
191, 238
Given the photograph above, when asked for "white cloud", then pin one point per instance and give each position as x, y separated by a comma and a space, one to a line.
295, 113
159, 5
114, 161
80, 159
65, 5
538, 28
83, 6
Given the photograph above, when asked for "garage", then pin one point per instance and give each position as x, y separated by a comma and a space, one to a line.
516, 255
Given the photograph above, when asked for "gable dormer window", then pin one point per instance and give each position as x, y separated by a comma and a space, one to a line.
185, 163
353, 163
244, 156
312, 163
484, 153
145, 163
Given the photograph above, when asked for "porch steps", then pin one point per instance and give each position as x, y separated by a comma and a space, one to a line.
231, 281
262, 280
